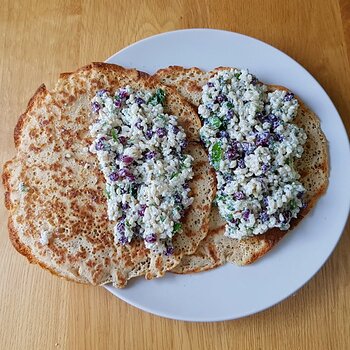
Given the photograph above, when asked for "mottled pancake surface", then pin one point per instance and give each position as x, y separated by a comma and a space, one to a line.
216, 249
54, 187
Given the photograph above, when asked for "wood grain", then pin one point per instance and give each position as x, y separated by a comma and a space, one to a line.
40, 39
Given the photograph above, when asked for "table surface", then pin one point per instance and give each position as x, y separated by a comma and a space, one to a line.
40, 39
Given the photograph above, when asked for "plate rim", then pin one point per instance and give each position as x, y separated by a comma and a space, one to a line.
343, 131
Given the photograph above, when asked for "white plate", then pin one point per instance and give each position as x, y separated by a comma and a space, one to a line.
231, 292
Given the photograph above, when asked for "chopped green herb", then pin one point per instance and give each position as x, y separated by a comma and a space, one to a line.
289, 162
220, 198
174, 175
229, 105
158, 98
293, 204
231, 206
229, 217
177, 227
215, 122
133, 190
216, 155
237, 75
162, 218
114, 135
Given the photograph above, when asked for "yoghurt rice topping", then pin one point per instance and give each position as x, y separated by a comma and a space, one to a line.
141, 154
252, 145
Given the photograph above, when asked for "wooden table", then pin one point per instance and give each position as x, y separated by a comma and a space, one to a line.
40, 39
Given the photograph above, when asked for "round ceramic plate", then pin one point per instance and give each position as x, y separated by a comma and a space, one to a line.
230, 291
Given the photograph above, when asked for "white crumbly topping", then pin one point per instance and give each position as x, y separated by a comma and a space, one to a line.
140, 151
44, 237
22, 188
252, 144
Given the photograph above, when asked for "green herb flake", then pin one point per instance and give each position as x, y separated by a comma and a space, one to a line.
158, 98
173, 175
216, 155
237, 75
289, 162
215, 122
177, 227
293, 204
114, 135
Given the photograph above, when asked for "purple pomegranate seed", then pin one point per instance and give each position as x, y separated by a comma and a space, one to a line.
271, 118
123, 94
95, 107
229, 114
117, 103
150, 154
177, 198
289, 96
121, 226
149, 134
300, 194
233, 220
264, 216
278, 137
100, 144
161, 132
241, 163
139, 101
246, 214
127, 159
222, 133
231, 153
186, 186
262, 139
183, 144
221, 98
275, 124
142, 209
176, 129
139, 125
169, 250
239, 195
228, 177
122, 140
123, 240
125, 173
210, 84
266, 201
265, 168
151, 238
125, 206
114, 176
248, 148
304, 205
